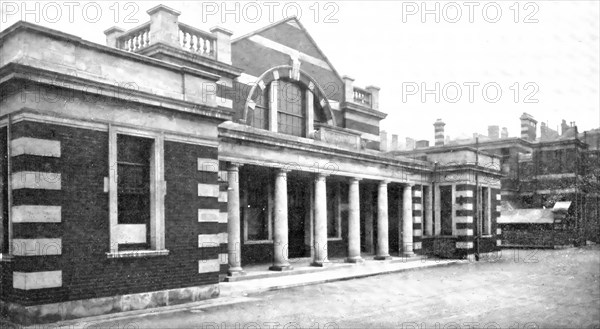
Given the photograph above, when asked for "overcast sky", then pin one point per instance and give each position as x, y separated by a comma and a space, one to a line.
542, 56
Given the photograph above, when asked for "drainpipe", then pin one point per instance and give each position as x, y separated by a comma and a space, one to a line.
9, 184
477, 198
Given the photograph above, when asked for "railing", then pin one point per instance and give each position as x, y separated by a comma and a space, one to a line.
362, 96
190, 39
136, 38
197, 41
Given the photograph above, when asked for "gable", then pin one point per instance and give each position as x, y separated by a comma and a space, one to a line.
276, 45
293, 37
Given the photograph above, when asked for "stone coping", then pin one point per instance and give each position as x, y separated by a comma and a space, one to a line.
243, 132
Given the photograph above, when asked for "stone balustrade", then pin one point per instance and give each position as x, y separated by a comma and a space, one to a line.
164, 28
368, 97
135, 39
197, 41
361, 96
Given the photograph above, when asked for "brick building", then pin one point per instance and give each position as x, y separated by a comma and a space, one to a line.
142, 173
550, 184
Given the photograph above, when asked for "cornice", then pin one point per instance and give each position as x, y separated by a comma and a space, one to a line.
241, 133
357, 108
20, 72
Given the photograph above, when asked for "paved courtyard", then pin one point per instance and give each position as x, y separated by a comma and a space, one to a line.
524, 289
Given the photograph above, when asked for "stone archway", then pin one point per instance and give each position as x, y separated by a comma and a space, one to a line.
294, 74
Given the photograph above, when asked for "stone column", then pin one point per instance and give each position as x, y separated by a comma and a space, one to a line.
354, 222
429, 211
382, 223
233, 220
280, 234
320, 221
273, 97
407, 221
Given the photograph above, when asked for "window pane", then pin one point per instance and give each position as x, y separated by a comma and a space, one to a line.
290, 108
133, 185
289, 98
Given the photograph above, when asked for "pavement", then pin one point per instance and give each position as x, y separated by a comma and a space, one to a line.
259, 279
304, 274
518, 289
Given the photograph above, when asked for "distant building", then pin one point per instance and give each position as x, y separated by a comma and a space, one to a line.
539, 173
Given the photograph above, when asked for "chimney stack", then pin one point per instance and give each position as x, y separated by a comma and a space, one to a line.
383, 141
439, 132
493, 132
504, 133
420, 144
563, 127
410, 143
395, 145
528, 127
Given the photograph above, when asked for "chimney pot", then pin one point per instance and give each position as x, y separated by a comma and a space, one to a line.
439, 132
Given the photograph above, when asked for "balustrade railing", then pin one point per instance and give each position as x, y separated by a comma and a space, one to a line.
362, 96
190, 39
135, 39
197, 41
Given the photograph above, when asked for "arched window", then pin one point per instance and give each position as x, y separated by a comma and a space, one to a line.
291, 109
291, 105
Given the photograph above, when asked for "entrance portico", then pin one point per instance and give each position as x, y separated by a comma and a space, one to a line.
292, 210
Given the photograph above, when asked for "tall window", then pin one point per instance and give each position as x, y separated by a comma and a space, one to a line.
136, 188
133, 185
260, 119
290, 109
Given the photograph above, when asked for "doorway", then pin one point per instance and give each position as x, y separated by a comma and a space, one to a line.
446, 209
298, 214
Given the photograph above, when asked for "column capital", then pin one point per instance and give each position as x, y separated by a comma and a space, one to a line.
354, 179
409, 184
321, 175
282, 171
384, 182
234, 166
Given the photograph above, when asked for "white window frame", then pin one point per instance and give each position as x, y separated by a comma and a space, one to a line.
157, 193
308, 109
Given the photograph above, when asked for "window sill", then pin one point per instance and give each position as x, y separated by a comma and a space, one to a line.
438, 236
334, 239
137, 253
258, 241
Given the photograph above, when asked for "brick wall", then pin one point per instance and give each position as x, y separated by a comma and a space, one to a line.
465, 219
84, 223
417, 214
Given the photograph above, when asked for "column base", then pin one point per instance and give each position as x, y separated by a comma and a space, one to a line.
408, 254
355, 260
387, 257
281, 268
320, 264
236, 272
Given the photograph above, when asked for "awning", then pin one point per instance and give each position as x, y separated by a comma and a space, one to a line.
562, 206
527, 216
